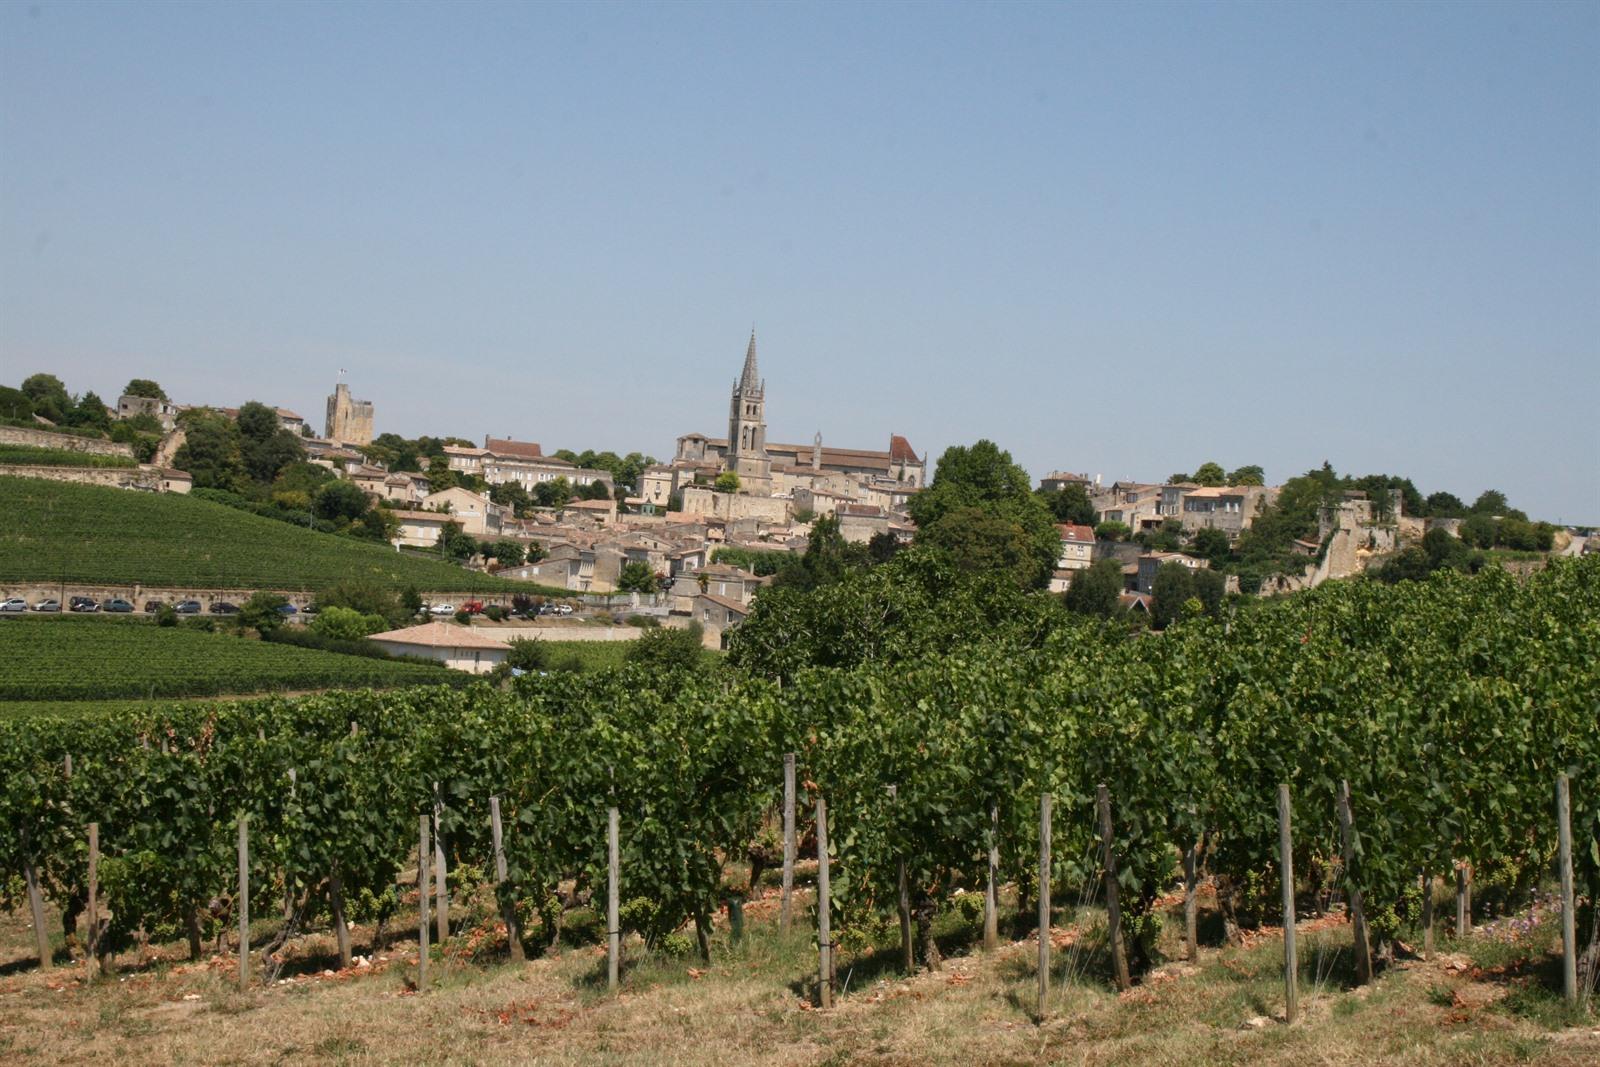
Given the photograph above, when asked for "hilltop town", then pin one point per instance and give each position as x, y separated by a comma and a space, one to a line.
698, 537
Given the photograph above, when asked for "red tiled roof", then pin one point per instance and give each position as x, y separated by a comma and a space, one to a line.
504, 446
900, 449
1071, 532
439, 635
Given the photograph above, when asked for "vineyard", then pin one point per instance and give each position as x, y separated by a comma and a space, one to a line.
1449, 707
28, 455
57, 532
106, 658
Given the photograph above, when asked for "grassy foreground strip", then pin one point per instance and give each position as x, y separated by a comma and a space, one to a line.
95, 535
1482, 1000
89, 659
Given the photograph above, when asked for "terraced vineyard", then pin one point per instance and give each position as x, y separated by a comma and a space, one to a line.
93, 535
58, 457
104, 659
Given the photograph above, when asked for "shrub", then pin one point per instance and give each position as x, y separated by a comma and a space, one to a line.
346, 624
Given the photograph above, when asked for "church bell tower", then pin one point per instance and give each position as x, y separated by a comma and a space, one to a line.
747, 428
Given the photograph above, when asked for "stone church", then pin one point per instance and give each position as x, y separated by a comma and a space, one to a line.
768, 469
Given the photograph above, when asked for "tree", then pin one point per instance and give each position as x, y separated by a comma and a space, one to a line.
988, 542
508, 553
1444, 505
89, 412
668, 649
1209, 588
1096, 590
828, 558
1248, 475
1173, 586
511, 495
48, 396
440, 476
256, 421
261, 612
265, 458
15, 404
456, 545
1210, 474
346, 624
881, 547
636, 577
595, 490
367, 598
340, 501
552, 494
211, 453
1211, 544
146, 388
1111, 530
727, 482
1070, 504
982, 478
1480, 531
527, 655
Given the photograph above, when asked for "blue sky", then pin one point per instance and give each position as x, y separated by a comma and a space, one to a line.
1118, 239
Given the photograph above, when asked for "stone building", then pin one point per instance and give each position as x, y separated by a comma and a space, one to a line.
766, 468
349, 421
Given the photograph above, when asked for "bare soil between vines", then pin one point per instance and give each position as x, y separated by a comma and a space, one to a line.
1477, 1002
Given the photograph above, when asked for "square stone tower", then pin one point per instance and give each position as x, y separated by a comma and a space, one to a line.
349, 421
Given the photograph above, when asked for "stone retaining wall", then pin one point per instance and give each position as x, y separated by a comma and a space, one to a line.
66, 442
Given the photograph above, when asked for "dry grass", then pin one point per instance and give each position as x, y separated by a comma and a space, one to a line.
751, 1006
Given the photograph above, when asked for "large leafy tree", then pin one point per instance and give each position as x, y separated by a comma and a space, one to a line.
1070, 504
211, 452
146, 388
48, 395
1173, 586
1095, 591
994, 518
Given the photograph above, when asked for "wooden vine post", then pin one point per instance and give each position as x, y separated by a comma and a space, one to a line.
243, 905
991, 912
508, 907
613, 901
824, 933
1119, 951
908, 962
1291, 962
441, 887
423, 852
96, 963
1569, 930
1191, 884
30, 875
1427, 915
1358, 914
1463, 898
1044, 904
786, 899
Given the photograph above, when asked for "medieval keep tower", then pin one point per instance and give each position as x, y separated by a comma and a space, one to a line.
747, 428
349, 421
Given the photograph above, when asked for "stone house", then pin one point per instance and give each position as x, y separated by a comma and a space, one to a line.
1056, 481
459, 647
474, 512
1230, 509
1077, 547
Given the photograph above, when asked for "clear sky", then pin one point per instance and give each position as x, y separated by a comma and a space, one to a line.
1116, 239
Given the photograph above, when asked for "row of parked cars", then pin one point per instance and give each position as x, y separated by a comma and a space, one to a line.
119, 606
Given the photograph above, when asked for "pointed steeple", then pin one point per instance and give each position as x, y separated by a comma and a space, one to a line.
750, 380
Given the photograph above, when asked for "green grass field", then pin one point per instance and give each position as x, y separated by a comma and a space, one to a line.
94, 535
104, 659
58, 457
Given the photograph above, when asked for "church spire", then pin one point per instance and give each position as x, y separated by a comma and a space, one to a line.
750, 380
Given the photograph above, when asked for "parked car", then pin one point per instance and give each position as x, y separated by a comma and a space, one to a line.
187, 607
286, 610
473, 607
442, 609
222, 607
48, 605
563, 609
117, 606
82, 603
153, 606
16, 603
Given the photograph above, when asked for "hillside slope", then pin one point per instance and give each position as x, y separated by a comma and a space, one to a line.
93, 535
